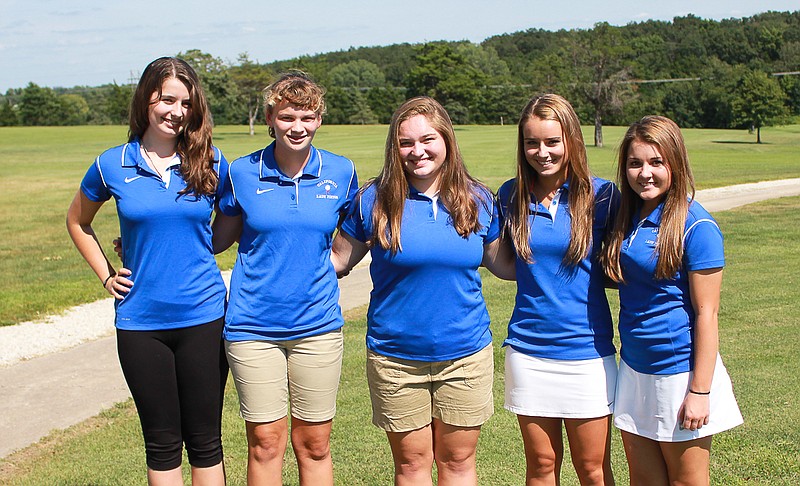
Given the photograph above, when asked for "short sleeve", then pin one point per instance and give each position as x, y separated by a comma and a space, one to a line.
226, 198
703, 245
353, 224
489, 203
222, 171
93, 185
352, 192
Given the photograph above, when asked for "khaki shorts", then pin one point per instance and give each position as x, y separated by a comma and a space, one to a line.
268, 374
406, 395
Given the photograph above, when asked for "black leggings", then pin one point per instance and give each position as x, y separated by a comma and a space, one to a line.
177, 379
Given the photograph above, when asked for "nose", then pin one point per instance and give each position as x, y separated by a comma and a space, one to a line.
417, 150
645, 173
544, 151
178, 111
297, 126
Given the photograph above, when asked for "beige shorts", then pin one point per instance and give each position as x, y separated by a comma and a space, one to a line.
270, 374
406, 395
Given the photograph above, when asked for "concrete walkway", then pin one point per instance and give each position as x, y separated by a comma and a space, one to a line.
60, 389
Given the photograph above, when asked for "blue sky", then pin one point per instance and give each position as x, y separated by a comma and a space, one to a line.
93, 42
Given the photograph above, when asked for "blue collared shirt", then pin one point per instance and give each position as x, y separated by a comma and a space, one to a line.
166, 238
656, 317
426, 303
283, 284
561, 311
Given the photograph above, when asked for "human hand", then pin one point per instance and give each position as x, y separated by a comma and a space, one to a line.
694, 412
119, 285
118, 246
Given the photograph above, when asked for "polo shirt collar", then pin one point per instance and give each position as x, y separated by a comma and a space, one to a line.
132, 157
268, 167
654, 218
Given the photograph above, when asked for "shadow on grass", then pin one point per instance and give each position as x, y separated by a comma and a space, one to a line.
742, 142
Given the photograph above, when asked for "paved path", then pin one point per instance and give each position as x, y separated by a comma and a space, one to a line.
60, 389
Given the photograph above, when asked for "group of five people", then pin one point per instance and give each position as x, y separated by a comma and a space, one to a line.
300, 220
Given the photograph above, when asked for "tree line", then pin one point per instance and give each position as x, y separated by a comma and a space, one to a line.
702, 73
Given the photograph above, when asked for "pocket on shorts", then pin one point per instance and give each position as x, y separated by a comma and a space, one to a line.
478, 369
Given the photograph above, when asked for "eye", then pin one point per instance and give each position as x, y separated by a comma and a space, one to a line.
634, 163
531, 143
553, 142
406, 143
657, 162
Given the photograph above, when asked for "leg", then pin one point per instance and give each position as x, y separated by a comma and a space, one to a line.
590, 448
645, 461
454, 449
148, 363
314, 366
544, 449
202, 372
266, 445
172, 477
311, 442
688, 462
412, 453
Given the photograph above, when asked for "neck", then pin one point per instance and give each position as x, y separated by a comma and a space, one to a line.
291, 163
163, 147
429, 187
544, 187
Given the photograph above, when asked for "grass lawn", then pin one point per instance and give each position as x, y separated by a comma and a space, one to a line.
42, 168
758, 324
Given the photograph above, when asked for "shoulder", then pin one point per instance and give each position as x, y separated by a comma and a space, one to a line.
506, 190
114, 156
331, 160
246, 162
603, 186
698, 216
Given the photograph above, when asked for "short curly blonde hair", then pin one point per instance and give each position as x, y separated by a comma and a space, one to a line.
297, 88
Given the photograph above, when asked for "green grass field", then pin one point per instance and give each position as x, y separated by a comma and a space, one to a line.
42, 168
42, 273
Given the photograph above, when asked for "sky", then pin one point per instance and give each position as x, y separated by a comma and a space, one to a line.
65, 43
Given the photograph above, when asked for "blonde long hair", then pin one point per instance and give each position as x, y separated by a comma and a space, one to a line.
457, 189
581, 191
665, 134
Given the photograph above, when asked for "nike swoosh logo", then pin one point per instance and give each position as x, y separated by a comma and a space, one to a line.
131, 179
262, 191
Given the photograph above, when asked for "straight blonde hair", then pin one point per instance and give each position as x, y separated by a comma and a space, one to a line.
664, 134
581, 190
457, 189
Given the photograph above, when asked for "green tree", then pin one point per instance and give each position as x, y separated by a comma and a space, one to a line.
221, 92
357, 74
441, 72
759, 102
74, 109
8, 114
601, 73
39, 106
251, 79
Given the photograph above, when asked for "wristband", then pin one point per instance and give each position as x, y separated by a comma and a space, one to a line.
105, 282
699, 393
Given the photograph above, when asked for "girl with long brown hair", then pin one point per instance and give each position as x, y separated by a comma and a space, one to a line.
169, 324
428, 225
560, 363
665, 252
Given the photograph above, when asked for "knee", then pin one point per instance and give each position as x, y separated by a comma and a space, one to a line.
204, 451
456, 460
414, 463
541, 464
266, 445
311, 447
593, 471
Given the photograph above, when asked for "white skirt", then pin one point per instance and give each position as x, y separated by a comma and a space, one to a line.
647, 405
542, 387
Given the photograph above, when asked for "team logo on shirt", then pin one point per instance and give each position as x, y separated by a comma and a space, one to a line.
327, 185
653, 240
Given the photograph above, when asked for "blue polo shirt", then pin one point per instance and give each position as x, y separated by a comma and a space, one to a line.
283, 284
166, 239
426, 303
561, 311
656, 317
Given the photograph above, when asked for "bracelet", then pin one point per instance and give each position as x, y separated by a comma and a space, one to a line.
105, 282
699, 393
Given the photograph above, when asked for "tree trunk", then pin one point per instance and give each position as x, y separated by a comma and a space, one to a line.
598, 129
758, 135
252, 114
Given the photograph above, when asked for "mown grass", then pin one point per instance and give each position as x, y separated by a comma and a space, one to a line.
758, 327
41, 169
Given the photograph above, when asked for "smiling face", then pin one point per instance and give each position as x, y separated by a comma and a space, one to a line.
545, 149
168, 114
648, 174
294, 127
423, 152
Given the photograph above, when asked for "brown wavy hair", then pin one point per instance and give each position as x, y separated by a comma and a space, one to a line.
581, 191
458, 191
194, 141
297, 88
665, 134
